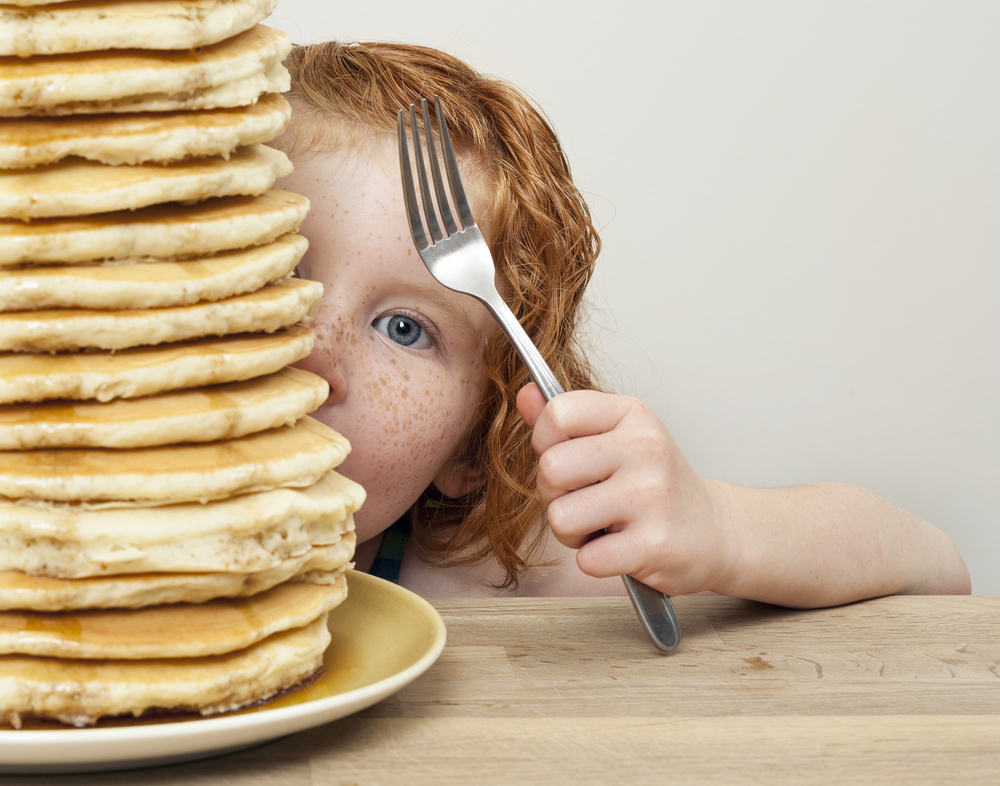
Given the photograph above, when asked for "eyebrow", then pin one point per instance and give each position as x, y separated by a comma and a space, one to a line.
453, 303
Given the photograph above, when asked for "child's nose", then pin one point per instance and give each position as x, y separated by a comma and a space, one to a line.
338, 385
330, 371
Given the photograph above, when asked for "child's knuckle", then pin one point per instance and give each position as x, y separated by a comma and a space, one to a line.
556, 516
550, 467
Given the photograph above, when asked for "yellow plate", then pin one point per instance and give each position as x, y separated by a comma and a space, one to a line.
384, 637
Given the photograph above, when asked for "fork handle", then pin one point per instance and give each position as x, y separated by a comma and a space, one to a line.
537, 367
652, 607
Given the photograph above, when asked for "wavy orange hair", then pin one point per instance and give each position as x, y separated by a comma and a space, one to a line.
543, 242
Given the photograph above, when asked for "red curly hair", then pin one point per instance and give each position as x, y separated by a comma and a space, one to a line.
543, 242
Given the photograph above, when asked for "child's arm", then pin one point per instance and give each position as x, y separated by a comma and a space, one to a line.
607, 462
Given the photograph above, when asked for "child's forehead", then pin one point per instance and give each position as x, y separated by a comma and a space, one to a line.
374, 159
313, 133
357, 208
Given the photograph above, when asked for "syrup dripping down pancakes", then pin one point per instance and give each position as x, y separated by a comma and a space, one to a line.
173, 530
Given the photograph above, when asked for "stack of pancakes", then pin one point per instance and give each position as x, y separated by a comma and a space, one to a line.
172, 530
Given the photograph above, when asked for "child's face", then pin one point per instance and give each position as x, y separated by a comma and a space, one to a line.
401, 352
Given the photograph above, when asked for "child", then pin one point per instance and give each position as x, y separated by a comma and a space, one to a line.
444, 424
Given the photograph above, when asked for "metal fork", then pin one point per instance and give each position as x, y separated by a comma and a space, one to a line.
458, 257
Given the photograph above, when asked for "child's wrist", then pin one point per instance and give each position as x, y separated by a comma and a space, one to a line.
723, 517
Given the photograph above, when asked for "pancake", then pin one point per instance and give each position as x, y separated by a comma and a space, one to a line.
239, 92
247, 533
158, 232
78, 692
75, 187
140, 24
144, 371
234, 72
319, 565
179, 630
197, 415
141, 138
266, 310
293, 456
151, 284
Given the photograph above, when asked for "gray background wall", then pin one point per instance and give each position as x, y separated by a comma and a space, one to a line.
800, 206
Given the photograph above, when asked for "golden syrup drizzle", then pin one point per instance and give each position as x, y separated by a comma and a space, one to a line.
35, 131
39, 474
63, 627
64, 415
47, 412
42, 364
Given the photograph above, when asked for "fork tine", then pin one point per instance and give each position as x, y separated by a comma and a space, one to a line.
409, 193
451, 168
450, 227
425, 190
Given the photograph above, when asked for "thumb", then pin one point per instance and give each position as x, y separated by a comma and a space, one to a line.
530, 403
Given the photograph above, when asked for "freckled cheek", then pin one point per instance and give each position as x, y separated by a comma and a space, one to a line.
403, 428
416, 419
398, 450
413, 428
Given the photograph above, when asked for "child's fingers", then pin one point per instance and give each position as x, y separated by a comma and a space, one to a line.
610, 554
576, 517
578, 413
530, 403
576, 464
626, 553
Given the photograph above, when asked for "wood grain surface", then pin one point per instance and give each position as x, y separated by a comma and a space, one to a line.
568, 691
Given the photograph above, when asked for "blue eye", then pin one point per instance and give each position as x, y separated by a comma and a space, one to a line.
404, 330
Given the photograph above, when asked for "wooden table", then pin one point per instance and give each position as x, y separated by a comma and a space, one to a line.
568, 691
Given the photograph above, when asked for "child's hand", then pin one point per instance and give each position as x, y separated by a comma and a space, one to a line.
606, 462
